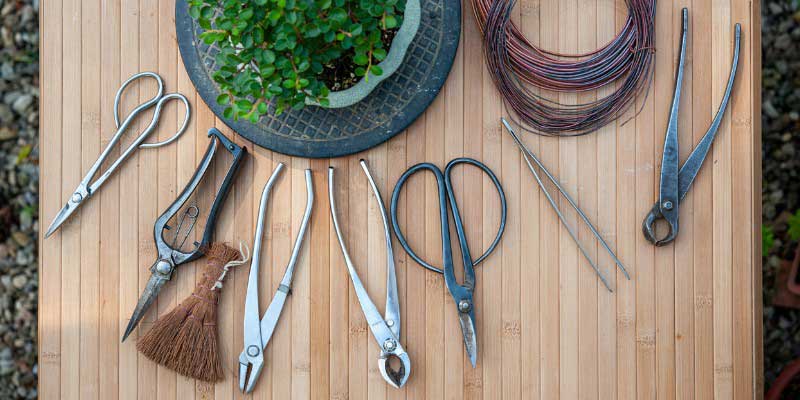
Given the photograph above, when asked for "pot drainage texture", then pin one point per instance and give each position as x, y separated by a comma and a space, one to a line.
319, 132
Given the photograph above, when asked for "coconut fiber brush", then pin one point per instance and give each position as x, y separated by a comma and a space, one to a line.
185, 339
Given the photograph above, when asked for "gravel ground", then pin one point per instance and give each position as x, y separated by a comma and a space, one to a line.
781, 166
19, 123
19, 180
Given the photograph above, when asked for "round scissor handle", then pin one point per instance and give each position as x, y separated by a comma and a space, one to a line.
140, 107
157, 115
445, 183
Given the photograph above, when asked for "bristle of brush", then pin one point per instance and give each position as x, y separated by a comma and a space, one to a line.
185, 339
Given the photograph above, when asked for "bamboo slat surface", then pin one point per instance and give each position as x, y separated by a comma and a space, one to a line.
687, 326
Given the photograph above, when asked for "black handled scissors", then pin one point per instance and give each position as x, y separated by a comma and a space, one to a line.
674, 183
462, 293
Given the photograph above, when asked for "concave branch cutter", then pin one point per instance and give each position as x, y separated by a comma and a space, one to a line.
87, 188
386, 328
257, 333
169, 255
674, 183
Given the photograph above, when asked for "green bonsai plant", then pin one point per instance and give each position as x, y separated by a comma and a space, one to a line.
288, 51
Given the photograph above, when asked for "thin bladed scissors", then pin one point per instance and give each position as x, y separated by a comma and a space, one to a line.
385, 329
461, 293
257, 333
87, 188
676, 183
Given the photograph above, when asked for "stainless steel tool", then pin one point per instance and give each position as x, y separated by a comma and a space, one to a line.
258, 332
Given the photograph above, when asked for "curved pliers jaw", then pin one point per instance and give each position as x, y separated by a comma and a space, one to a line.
395, 377
649, 227
249, 370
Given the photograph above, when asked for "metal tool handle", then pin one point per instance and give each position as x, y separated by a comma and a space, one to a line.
270, 319
667, 207
373, 316
392, 313
444, 194
383, 334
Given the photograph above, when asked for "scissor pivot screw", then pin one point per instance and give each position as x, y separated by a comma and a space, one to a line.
164, 267
464, 306
389, 345
390, 323
668, 205
77, 197
253, 350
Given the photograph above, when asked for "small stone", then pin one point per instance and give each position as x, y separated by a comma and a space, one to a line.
22, 103
21, 238
19, 281
7, 133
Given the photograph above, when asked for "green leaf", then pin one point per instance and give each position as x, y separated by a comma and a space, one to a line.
794, 226
207, 12
274, 15
246, 14
379, 54
223, 99
23, 154
194, 12
361, 59
376, 70
228, 113
338, 15
767, 240
390, 22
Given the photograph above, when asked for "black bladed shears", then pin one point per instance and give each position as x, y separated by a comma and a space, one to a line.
461, 293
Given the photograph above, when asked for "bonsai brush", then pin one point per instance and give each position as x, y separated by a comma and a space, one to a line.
185, 339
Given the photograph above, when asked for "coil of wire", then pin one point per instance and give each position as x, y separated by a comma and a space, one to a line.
517, 66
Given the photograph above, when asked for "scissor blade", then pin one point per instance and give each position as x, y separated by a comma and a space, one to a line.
149, 294
470, 338
61, 217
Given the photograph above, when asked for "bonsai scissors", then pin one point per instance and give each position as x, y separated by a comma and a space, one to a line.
386, 328
258, 333
674, 183
462, 294
87, 188
170, 255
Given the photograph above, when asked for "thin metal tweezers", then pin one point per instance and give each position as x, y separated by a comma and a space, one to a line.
528, 155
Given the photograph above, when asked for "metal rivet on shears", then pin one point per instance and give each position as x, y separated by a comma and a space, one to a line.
163, 267
668, 205
389, 345
77, 198
253, 350
464, 306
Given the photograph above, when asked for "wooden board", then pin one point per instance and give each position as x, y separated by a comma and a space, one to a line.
688, 325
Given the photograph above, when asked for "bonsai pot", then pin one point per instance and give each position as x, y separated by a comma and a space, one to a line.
394, 58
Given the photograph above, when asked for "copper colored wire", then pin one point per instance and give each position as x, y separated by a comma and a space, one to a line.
625, 63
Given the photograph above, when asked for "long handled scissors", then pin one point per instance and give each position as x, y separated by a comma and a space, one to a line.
171, 255
462, 293
257, 333
386, 328
87, 188
674, 183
